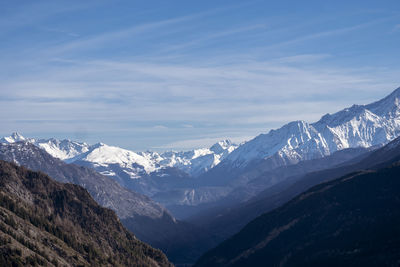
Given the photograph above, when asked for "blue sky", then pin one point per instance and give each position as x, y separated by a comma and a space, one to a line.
162, 75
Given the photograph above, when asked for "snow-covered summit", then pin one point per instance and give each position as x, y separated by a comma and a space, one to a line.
358, 126
224, 146
13, 138
103, 155
62, 149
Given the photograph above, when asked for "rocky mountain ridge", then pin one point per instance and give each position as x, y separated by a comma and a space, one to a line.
358, 126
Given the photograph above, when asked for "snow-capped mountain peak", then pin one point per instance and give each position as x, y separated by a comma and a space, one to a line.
62, 149
14, 137
223, 145
357, 126
103, 155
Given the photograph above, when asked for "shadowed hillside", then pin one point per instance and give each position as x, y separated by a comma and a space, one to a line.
351, 221
49, 223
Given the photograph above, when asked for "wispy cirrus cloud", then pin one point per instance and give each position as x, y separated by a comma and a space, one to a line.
187, 92
193, 76
206, 38
139, 30
327, 33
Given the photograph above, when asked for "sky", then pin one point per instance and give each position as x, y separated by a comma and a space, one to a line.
162, 75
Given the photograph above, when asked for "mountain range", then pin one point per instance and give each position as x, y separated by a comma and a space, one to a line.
358, 126
134, 164
139, 171
365, 126
216, 190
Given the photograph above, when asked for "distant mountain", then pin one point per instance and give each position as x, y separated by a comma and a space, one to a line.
360, 126
64, 149
14, 137
141, 212
148, 173
351, 221
198, 161
357, 126
134, 164
44, 222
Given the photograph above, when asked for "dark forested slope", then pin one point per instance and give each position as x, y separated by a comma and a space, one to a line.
350, 221
49, 223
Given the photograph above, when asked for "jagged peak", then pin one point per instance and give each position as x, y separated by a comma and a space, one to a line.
343, 125
14, 137
384, 107
224, 143
221, 146
17, 135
